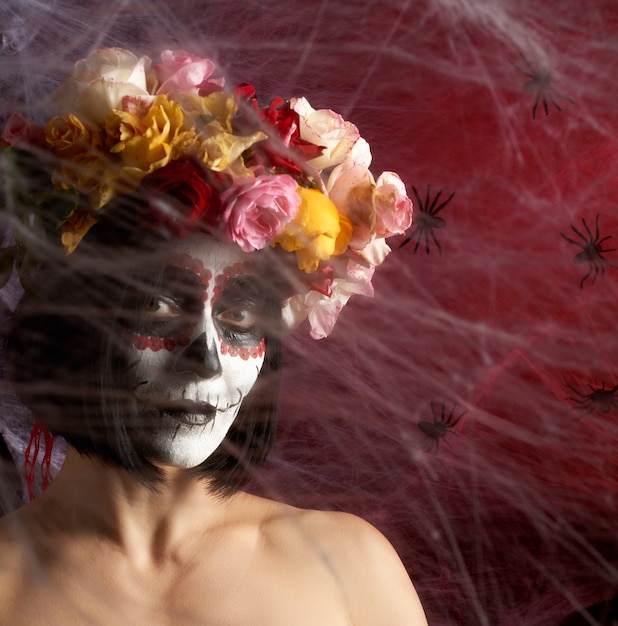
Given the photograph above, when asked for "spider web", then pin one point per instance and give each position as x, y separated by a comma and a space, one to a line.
514, 521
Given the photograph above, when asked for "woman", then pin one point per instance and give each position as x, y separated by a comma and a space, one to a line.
154, 237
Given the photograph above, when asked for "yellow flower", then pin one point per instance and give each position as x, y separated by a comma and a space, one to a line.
82, 162
82, 172
222, 152
210, 114
210, 118
68, 136
146, 144
317, 232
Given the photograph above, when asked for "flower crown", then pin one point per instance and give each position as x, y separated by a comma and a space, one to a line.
284, 175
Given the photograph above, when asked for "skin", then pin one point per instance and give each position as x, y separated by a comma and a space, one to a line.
99, 547
188, 396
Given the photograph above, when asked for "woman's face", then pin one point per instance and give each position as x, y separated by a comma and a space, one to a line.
195, 348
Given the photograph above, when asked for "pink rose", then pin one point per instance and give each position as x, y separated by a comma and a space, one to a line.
393, 207
257, 209
323, 310
182, 72
18, 130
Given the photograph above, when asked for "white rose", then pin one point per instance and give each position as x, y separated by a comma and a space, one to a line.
375, 252
351, 188
325, 128
101, 81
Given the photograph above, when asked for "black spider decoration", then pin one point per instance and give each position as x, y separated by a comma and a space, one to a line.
541, 83
426, 219
599, 399
592, 250
440, 427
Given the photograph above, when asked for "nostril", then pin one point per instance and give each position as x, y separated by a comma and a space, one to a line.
199, 357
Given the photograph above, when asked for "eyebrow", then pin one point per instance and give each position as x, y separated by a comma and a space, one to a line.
181, 275
246, 283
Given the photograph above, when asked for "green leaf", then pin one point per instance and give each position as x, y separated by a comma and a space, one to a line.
57, 207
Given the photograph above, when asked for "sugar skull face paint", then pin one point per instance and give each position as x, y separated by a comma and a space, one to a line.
196, 349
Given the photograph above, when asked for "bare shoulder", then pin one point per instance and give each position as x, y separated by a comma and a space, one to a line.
373, 579
11, 567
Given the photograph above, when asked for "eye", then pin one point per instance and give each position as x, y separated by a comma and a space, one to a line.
240, 318
240, 312
161, 307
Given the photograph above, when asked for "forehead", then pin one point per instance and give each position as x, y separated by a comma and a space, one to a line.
215, 256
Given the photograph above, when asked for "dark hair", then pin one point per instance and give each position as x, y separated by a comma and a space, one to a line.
66, 341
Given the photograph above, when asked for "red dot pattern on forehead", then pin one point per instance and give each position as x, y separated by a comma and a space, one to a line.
221, 280
196, 266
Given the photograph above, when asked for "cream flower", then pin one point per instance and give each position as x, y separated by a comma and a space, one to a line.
376, 208
351, 188
374, 253
325, 128
360, 154
99, 83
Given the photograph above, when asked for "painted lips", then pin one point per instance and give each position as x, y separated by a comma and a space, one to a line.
191, 418
187, 412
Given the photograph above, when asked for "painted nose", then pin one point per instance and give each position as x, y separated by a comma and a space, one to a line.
199, 357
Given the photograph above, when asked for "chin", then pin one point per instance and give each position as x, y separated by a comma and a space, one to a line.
184, 445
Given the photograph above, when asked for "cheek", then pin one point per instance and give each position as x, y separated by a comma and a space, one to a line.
241, 373
147, 363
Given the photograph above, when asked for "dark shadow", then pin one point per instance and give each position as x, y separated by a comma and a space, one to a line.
10, 483
601, 614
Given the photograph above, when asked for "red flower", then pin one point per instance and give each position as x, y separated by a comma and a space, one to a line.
181, 196
289, 154
285, 152
280, 115
246, 93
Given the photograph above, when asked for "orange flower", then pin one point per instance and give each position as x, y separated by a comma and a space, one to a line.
75, 228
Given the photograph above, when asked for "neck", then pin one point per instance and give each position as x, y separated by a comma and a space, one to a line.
146, 524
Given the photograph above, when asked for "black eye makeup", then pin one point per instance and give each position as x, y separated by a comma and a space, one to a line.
168, 306
240, 312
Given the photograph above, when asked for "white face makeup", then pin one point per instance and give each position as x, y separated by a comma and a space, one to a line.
196, 350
